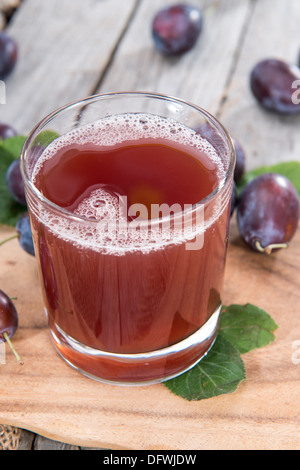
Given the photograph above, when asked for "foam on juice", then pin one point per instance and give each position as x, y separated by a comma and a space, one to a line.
100, 222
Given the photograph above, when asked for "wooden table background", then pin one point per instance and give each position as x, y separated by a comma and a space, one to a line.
69, 49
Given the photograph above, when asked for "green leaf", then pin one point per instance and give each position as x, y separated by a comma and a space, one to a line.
13, 145
45, 138
290, 170
242, 329
219, 372
247, 327
10, 210
10, 149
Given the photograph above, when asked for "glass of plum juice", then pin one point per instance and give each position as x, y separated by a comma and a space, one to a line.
129, 199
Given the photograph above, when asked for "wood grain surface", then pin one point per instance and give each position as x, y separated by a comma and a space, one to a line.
47, 396
62, 54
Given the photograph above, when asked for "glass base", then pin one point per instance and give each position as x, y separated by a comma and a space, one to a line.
137, 369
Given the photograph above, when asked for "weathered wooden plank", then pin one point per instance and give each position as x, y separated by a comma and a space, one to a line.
267, 138
42, 443
26, 440
64, 47
200, 75
30, 441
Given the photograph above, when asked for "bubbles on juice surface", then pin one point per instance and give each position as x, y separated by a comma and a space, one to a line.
107, 132
100, 205
101, 222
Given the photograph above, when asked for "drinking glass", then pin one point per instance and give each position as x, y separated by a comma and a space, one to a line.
131, 301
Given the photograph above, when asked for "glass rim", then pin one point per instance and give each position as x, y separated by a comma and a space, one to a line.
133, 94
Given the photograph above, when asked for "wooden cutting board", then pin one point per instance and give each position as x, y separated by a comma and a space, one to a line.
48, 397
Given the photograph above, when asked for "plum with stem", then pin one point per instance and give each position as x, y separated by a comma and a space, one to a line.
8, 321
268, 212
